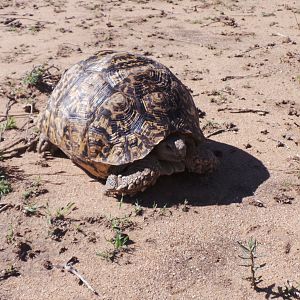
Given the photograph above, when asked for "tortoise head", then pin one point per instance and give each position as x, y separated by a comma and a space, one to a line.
172, 148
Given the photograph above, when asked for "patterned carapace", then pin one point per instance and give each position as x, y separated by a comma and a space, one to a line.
115, 107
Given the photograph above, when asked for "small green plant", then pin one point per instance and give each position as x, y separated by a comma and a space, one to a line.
80, 230
249, 254
34, 77
10, 236
9, 124
185, 207
5, 187
61, 213
34, 189
107, 255
163, 210
154, 206
120, 223
119, 240
121, 201
32, 209
211, 125
138, 210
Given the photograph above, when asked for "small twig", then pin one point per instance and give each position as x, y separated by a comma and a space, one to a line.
207, 24
218, 132
5, 206
279, 34
20, 140
19, 115
68, 267
244, 110
18, 150
9, 104
229, 77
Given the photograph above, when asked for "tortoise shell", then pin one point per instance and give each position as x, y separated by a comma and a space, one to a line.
114, 108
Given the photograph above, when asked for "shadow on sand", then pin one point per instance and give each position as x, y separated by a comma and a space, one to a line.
238, 176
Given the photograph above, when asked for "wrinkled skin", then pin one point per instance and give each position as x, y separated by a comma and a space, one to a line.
173, 155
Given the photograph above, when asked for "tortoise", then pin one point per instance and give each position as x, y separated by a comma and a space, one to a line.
125, 118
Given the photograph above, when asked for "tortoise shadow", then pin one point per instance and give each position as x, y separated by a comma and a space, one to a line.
238, 176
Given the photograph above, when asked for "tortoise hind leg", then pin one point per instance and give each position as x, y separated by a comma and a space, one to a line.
44, 145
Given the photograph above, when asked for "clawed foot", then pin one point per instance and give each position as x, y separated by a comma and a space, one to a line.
44, 145
130, 184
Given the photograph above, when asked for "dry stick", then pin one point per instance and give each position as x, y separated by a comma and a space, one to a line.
19, 149
248, 110
219, 131
18, 115
20, 140
244, 110
9, 104
5, 207
72, 270
229, 77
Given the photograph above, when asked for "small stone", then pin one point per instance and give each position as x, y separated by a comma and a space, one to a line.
280, 144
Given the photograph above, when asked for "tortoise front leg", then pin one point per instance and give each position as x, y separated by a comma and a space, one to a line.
140, 175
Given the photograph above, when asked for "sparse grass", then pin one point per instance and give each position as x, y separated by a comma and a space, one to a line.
121, 201
57, 221
154, 206
163, 210
10, 236
138, 210
34, 189
120, 223
34, 77
62, 212
108, 255
9, 124
211, 125
32, 209
249, 254
185, 207
119, 240
5, 187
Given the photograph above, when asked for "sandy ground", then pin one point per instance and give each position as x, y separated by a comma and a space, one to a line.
241, 60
